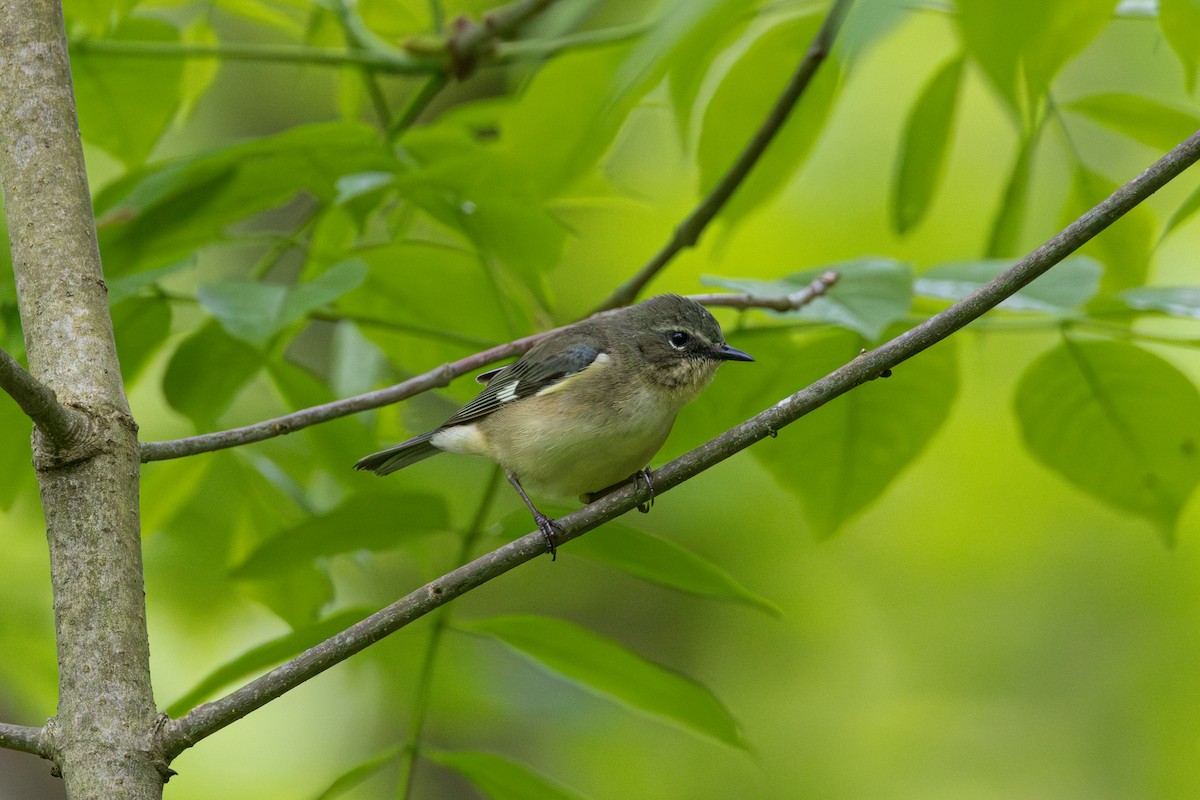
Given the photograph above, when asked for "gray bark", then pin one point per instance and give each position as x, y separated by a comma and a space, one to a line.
106, 714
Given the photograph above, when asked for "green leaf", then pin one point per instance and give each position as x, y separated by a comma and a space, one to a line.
1065, 287
369, 521
265, 655
1022, 44
206, 372
140, 327
676, 29
741, 101
1120, 423
1189, 207
362, 772
698, 49
663, 562
1005, 238
1180, 23
158, 215
125, 104
1178, 301
1125, 247
501, 778
96, 16
1148, 121
871, 293
255, 312
605, 667
16, 453
842, 457
925, 146
198, 73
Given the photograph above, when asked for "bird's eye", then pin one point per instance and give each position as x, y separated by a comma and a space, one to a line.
678, 339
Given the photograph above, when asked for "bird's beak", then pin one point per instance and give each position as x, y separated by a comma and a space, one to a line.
724, 352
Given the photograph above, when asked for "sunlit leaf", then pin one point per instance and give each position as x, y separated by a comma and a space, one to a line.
870, 294
160, 214
1066, 286
1005, 238
265, 655
1148, 121
362, 772
740, 103
605, 667
140, 327
1178, 301
1118, 422
368, 521
1022, 44
501, 778
660, 561
925, 146
1125, 246
1180, 22
205, 373
125, 104
696, 52
841, 458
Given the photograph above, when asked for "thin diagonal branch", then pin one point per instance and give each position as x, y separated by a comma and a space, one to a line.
25, 739
178, 735
435, 378
63, 426
687, 233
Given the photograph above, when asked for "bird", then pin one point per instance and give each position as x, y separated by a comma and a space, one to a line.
586, 408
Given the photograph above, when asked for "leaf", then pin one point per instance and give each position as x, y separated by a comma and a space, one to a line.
140, 327
1067, 286
606, 668
362, 772
368, 521
841, 458
1178, 301
924, 147
266, 655
871, 293
741, 102
125, 104
1189, 207
1148, 121
161, 214
198, 73
1022, 44
1005, 238
255, 312
663, 562
1118, 422
1125, 247
1180, 23
501, 778
206, 372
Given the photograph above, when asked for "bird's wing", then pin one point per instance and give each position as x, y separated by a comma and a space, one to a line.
532, 374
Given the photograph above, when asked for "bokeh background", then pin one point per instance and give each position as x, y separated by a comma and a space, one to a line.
983, 628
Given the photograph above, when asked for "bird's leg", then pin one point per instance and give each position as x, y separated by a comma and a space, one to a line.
547, 526
644, 475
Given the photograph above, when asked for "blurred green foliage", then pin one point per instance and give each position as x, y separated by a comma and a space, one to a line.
963, 565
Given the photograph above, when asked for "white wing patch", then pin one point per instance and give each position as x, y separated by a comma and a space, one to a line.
600, 360
507, 392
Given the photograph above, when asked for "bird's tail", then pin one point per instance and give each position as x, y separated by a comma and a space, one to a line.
400, 456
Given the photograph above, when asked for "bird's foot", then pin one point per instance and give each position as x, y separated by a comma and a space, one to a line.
644, 475
549, 529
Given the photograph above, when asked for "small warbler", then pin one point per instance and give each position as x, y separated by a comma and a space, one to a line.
587, 407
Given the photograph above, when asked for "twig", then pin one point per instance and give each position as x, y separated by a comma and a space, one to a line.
178, 735
398, 63
472, 40
358, 42
25, 739
433, 379
687, 233
789, 302
61, 425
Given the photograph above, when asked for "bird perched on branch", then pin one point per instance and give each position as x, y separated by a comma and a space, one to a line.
587, 407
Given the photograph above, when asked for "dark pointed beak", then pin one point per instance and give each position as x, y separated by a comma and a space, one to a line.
724, 352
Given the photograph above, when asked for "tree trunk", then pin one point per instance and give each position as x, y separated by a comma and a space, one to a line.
89, 489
